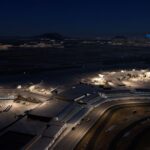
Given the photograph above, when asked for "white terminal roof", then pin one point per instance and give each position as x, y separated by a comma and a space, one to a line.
86, 99
28, 126
54, 129
42, 143
77, 91
50, 109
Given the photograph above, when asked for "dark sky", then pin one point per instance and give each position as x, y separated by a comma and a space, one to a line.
74, 17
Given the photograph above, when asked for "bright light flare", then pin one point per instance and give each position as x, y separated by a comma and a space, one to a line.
40, 90
130, 77
99, 80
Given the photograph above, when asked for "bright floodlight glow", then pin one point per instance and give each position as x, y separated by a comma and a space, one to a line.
99, 80
19, 87
39, 90
101, 75
122, 78
147, 74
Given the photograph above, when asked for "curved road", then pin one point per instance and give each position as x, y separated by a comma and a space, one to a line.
103, 120
70, 141
113, 144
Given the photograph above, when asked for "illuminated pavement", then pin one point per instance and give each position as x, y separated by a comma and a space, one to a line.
73, 138
75, 132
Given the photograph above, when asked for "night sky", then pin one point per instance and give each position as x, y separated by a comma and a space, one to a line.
74, 17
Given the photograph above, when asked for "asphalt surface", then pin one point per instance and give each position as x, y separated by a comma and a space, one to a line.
105, 118
117, 138
71, 140
137, 139
15, 92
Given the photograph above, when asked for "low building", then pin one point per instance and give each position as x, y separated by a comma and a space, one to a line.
49, 136
14, 140
48, 110
80, 115
89, 99
28, 126
77, 92
43, 143
55, 128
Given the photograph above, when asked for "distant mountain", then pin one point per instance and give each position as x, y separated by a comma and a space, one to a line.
53, 36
